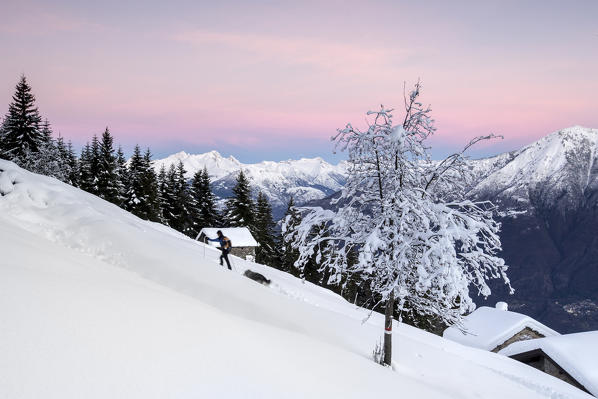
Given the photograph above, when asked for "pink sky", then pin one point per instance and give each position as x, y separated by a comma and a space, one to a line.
273, 80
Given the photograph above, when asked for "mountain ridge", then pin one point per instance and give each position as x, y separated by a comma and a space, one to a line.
305, 179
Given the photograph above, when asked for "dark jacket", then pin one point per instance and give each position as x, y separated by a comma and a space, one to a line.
225, 244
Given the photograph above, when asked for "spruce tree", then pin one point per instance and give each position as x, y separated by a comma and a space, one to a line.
21, 126
46, 131
134, 194
268, 252
240, 207
168, 186
292, 219
151, 197
163, 194
179, 217
122, 176
94, 165
73, 165
142, 198
204, 201
47, 159
65, 160
85, 178
107, 177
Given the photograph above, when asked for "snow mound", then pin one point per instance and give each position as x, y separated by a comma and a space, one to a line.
97, 303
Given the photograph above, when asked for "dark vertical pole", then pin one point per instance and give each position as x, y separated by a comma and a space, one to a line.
388, 328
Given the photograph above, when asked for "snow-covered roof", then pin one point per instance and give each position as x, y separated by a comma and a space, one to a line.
487, 327
239, 236
575, 353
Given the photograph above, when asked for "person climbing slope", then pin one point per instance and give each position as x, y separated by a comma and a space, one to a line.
225, 247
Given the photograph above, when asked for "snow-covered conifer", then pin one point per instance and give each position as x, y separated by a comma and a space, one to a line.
134, 194
122, 176
151, 197
268, 253
73, 164
107, 177
21, 126
85, 177
204, 213
291, 220
240, 207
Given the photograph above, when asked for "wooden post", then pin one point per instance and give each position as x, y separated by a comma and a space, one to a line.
390, 304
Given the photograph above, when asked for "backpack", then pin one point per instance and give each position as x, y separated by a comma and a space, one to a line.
228, 244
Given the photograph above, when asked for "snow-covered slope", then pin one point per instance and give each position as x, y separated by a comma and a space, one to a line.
304, 179
97, 303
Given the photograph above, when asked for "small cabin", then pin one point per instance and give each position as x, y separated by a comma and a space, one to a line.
243, 243
569, 357
495, 328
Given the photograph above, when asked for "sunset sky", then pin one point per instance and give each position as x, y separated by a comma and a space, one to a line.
274, 79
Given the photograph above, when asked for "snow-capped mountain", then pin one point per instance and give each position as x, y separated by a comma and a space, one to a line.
551, 246
558, 169
305, 179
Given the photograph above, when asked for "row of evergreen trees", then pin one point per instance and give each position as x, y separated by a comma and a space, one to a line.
165, 197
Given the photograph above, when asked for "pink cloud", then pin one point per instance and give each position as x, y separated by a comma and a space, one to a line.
341, 57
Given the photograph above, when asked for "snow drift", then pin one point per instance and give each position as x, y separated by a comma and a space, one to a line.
97, 303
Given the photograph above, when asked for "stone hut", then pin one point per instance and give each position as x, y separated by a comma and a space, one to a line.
493, 329
241, 239
569, 357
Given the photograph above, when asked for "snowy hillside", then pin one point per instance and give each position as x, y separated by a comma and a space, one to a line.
304, 179
97, 303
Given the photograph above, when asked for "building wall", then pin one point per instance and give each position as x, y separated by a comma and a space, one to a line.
523, 335
242, 252
541, 361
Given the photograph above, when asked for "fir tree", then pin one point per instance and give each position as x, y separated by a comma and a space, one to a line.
134, 194
85, 178
151, 197
163, 194
122, 176
204, 200
107, 177
21, 126
142, 197
240, 206
168, 183
73, 165
268, 252
46, 132
89, 166
292, 219
179, 196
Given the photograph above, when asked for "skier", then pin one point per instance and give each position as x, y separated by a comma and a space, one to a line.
225, 247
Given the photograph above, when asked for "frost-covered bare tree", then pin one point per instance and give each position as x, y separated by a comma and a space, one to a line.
419, 240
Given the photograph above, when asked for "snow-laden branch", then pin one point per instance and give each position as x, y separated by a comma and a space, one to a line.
413, 243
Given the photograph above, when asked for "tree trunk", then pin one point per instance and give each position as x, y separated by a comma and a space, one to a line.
390, 304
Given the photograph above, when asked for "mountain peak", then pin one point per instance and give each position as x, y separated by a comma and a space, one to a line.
555, 168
